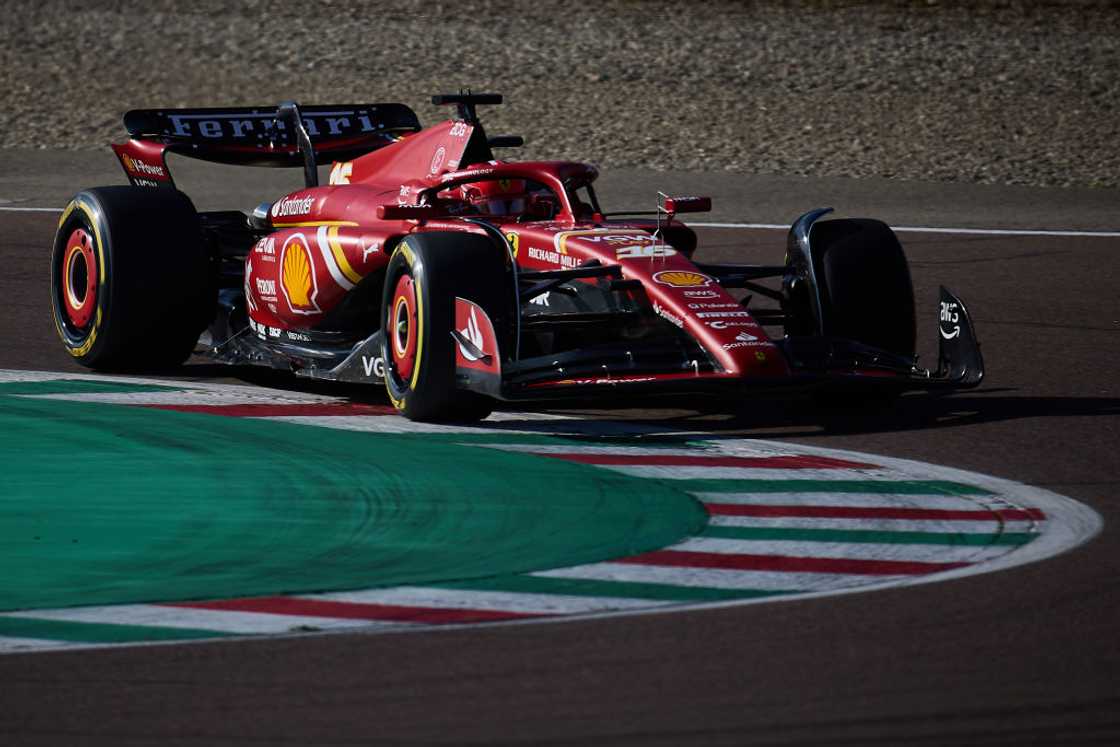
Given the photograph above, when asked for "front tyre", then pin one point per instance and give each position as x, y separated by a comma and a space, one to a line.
866, 293
424, 276
130, 281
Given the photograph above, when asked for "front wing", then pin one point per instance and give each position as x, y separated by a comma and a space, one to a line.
623, 370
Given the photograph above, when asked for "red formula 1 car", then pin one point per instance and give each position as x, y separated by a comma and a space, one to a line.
459, 280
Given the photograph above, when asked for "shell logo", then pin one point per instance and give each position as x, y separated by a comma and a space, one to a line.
128, 164
681, 278
297, 276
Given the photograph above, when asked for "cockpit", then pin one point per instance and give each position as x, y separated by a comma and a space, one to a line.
520, 199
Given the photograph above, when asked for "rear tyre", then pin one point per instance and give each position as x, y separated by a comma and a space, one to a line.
865, 288
425, 274
129, 278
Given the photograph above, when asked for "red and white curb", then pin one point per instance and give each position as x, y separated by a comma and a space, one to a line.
888, 523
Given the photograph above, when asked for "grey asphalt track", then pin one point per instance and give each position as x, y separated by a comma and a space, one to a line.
1027, 656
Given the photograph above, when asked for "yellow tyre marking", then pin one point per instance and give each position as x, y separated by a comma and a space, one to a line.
419, 293
406, 252
397, 403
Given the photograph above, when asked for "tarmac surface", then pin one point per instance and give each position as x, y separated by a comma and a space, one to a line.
1026, 656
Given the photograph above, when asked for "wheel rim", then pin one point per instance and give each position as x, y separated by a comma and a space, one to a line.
402, 327
78, 279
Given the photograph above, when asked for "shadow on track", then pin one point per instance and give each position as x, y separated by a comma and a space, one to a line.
909, 412
803, 416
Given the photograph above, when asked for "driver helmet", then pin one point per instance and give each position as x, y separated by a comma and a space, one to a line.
496, 196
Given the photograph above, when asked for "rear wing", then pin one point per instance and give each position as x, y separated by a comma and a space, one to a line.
257, 136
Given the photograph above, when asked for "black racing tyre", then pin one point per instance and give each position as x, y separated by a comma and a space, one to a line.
864, 280
130, 281
424, 275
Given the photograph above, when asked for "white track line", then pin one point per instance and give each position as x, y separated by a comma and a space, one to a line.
931, 229
784, 227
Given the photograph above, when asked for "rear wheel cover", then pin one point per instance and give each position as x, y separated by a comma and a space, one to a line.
78, 277
79, 281
403, 327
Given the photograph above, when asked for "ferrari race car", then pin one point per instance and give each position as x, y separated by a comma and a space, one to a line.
457, 280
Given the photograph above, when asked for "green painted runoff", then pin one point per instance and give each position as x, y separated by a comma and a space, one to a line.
106, 504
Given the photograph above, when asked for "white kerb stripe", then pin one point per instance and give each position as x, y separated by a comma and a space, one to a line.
879, 525
224, 621
472, 599
251, 392
12, 644
668, 472
848, 550
854, 500
717, 578
639, 450
398, 424
188, 396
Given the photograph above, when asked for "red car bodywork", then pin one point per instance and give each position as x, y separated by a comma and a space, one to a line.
319, 243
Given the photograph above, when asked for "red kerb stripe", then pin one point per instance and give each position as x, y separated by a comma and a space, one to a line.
354, 610
700, 460
266, 410
854, 512
728, 561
